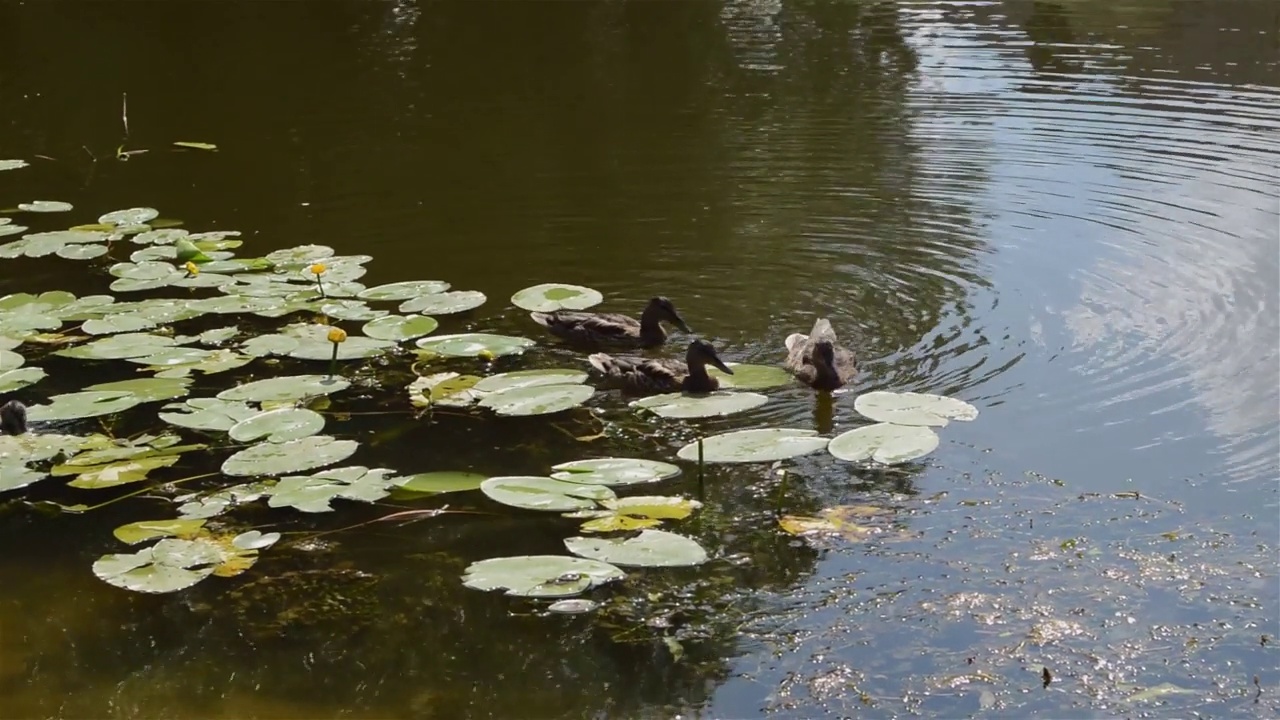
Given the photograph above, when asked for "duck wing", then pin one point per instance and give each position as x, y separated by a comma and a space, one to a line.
588, 326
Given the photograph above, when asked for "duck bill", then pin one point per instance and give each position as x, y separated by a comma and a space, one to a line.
681, 324
721, 366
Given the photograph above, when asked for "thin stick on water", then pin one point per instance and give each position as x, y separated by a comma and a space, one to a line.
124, 112
701, 474
782, 491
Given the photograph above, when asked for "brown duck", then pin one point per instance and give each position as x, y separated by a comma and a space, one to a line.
817, 360
645, 376
613, 328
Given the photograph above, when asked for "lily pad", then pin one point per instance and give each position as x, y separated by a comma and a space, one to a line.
10, 360
549, 297
529, 378
81, 252
758, 445
301, 255
198, 505
265, 345
45, 206
165, 236
885, 443
130, 216
293, 456
47, 243
122, 472
536, 399
444, 303
447, 389
12, 164
285, 389
576, 606
354, 310
614, 471
76, 405
540, 575
15, 475
119, 347
397, 327
442, 481
313, 493
404, 290
850, 522
475, 344
911, 408
20, 378
278, 426
313, 344
147, 389
210, 362
635, 513
751, 377
168, 566
679, 405
651, 548
143, 530
543, 493
6, 229
147, 275
207, 414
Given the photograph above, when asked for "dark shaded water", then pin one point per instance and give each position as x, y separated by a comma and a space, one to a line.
1066, 214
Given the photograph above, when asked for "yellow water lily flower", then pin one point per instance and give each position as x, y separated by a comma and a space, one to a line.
192, 268
485, 355
337, 335
318, 269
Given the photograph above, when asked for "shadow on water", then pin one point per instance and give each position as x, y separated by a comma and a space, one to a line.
1064, 213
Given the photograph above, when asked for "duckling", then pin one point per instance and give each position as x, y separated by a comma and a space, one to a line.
642, 376
817, 360
613, 328
13, 418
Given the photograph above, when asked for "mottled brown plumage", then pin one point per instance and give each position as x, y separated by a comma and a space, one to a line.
817, 360
646, 376
587, 328
13, 418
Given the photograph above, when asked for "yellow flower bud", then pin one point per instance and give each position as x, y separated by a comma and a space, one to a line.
486, 355
318, 269
193, 268
337, 335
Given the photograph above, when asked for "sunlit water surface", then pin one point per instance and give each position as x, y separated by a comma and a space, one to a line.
1066, 214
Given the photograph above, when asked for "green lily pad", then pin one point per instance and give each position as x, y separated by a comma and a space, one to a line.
286, 457
45, 206
397, 327
442, 481
751, 377
635, 513
33, 447
102, 450
758, 445
285, 389
530, 378
277, 426
207, 414
474, 344
218, 336
12, 164
143, 530
76, 405
130, 216
10, 360
884, 443
447, 389
576, 606
444, 303
265, 345
47, 243
543, 493
6, 229
314, 493
549, 297
614, 471
147, 389
540, 575
313, 344
207, 362
118, 323
301, 255
404, 290
651, 548
196, 505
119, 347
719, 403
144, 276
168, 566
536, 399
15, 475
911, 408
14, 379
81, 252
353, 310
122, 472
165, 236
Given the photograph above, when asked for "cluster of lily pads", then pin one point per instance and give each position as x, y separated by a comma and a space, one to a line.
288, 461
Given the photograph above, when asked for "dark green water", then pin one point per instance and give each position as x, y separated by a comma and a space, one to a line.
1064, 213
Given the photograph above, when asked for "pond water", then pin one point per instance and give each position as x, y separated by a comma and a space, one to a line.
1066, 214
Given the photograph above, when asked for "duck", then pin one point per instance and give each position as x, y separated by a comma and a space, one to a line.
614, 328
13, 418
817, 359
664, 375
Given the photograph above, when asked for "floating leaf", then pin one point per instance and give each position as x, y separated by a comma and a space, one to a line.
678, 405
73, 406
147, 389
911, 408
751, 377
195, 145
314, 344
265, 345
47, 243
32, 447
885, 443
404, 290
636, 513
278, 426
12, 164
131, 216
475, 344
196, 505
540, 575
167, 566
576, 606
301, 255
14, 475
20, 378
448, 389
121, 473
292, 456
651, 548
102, 450
6, 229
45, 206
614, 471
444, 303
285, 389
255, 540
143, 530
837, 520
212, 361
543, 493
536, 399
167, 236
354, 310
207, 414
442, 481
759, 445
119, 347
10, 360
549, 297
81, 252
218, 336
144, 276
397, 328
529, 378
313, 493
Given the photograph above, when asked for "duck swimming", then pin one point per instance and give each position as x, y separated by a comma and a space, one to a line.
613, 328
13, 418
640, 375
817, 360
